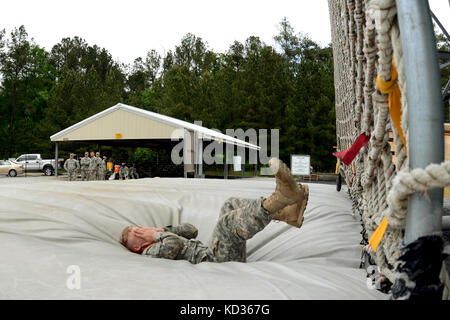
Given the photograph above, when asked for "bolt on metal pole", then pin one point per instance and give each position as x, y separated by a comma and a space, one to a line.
425, 113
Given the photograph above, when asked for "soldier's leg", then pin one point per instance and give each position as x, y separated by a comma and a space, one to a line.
82, 175
240, 219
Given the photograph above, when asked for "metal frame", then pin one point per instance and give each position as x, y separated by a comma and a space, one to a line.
443, 55
425, 113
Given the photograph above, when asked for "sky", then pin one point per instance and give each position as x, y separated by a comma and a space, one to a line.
129, 29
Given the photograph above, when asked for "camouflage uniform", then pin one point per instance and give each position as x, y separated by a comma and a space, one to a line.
132, 174
104, 169
123, 172
92, 169
99, 170
240, 219
71, 166
84, 162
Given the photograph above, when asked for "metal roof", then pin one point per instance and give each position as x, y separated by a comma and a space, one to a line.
168, 125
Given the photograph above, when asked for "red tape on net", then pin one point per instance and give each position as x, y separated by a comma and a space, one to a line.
348, 155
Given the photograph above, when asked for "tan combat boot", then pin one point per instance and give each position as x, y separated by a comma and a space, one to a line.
293, 214
287, 192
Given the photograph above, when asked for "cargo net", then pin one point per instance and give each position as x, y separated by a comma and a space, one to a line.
366, 41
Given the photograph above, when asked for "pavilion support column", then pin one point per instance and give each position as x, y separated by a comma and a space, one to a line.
225, 169
225, 161
255, 171
157, 163
200, 157
188, 152
56, 159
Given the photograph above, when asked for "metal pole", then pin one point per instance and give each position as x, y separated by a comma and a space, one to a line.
56, 159
200, 157
425, 113
255, 172
225, 162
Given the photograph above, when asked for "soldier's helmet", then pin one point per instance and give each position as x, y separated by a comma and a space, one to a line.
123, 163
86, 153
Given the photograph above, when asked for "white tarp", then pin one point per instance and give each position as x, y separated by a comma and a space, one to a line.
47, 226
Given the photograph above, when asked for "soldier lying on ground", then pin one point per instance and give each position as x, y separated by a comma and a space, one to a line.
240, 219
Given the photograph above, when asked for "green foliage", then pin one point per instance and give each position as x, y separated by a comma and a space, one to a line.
443, 44
288, 87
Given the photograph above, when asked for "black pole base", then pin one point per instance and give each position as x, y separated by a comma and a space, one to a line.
418, 271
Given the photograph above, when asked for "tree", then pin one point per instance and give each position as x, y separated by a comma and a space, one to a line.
252, 85
26, 80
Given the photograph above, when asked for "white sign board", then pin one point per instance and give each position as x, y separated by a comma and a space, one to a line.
300, 165
237, 163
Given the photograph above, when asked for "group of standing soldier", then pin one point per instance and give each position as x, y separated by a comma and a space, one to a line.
95, 168
92, 168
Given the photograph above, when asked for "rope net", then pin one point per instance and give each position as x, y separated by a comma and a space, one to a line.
366, 41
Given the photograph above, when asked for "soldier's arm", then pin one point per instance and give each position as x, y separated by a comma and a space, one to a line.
65, 165
185, 230
92, 165
166, 245
78, 165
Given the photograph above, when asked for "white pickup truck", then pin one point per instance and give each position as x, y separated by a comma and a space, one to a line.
34, 163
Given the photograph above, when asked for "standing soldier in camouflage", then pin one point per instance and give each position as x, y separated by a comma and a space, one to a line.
92, 167
132, 174
104, 167
84, 163
123, 172
239, 220
71, 166
98, 169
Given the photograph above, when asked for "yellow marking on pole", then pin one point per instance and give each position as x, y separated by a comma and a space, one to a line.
337, 166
